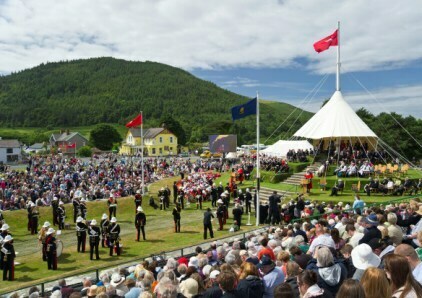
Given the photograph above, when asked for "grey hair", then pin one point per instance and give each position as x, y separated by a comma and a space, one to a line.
171, 263
221, 251
167, 290
230, 259
392, 218
324, 257
202, 262
182, 268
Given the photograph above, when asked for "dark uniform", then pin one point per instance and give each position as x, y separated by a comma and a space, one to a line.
9, 263
81, 229
35, 215
140, 222
214, 196
175, 191
54, 207
274, 213
138, 200
220, 215
113, 232
61, 215
208, 216
76, 209
83, 209
94, 239
29, 209
248, 201
112, 206
104, 227
176, 217
3, 235
199, 199
237, 215
180, 198
51, 252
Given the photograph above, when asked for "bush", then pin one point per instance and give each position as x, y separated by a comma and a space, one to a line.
85, 151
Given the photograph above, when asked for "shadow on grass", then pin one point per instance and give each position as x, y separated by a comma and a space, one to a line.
154, 240
64, 258
27, 269
24, 278
190, 232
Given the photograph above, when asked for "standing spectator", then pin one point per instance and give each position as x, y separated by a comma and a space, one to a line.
227, 280
176, 217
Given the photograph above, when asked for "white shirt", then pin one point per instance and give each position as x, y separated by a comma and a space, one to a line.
417, 273
354, 240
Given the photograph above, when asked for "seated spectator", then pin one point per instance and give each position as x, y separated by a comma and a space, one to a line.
293, 270
188, 288
363, 257
272, 275
351, 288
415, 264
371, 231
227, 280
308, 287
284, 290
394, 231
299, 257
330, 273
250, 285
375, 283
402, 282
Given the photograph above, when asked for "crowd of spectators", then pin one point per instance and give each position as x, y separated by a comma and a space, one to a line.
360, 251
47, 177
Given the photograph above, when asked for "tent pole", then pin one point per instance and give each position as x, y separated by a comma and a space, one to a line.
338, 58
257, 160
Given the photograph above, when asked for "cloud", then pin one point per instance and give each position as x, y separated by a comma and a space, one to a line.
404, 100
207, 34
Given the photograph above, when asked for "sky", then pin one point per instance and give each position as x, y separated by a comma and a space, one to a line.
245, 46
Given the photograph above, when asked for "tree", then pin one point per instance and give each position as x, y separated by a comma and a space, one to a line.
174, 126
85, 151
104, 136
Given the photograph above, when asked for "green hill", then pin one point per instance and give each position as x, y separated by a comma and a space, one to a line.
106, 90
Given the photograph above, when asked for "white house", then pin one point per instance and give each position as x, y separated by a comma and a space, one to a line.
10, 151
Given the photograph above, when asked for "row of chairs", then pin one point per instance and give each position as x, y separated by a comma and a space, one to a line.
391, 169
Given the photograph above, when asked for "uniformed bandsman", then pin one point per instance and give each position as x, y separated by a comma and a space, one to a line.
76, 208
140, 222
104, 227
61, 215
112, 206
35, 215
94, 239
9, 263
81, 229
42, 235
51, 250
114, 236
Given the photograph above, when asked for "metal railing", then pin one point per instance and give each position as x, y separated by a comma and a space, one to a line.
75, 281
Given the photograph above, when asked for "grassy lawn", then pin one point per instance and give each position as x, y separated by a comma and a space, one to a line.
159, 234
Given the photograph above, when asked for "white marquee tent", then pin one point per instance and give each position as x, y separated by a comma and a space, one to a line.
336, 120
281, 147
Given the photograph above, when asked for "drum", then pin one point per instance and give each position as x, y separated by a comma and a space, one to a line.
59, 245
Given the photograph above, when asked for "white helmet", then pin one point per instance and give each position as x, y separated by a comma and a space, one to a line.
93, 222
139, 209
7, 238
104, 216
50, 231
113, 219
4, 227
79, 219
46, 224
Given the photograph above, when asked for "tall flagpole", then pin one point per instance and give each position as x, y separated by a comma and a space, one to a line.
257, 160
142, 154
338, 58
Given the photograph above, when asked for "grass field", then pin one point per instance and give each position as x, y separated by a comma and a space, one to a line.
159, 232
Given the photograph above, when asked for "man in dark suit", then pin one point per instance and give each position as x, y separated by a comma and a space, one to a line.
208, 216
274, 213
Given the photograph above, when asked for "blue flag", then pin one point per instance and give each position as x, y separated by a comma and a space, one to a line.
247, 109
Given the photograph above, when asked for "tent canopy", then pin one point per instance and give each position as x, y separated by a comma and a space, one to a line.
280, 148
336, 119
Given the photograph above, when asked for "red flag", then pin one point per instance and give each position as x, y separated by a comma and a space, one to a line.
135, 122
326, 42
71, 145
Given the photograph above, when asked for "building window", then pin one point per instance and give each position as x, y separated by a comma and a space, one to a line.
161, 139
171, 148
161, 150
171, 139
9, 150
153, 150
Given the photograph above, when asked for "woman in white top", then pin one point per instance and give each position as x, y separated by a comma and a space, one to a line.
402, 282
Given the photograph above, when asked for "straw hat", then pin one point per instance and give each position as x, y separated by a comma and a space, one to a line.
189, 287
116, 279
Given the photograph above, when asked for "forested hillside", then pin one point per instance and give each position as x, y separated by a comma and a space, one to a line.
108, 90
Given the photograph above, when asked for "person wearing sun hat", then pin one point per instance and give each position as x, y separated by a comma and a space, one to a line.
94, 233
117, 281
41, 238
9, 264
363, 257
371, 230
51, 249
